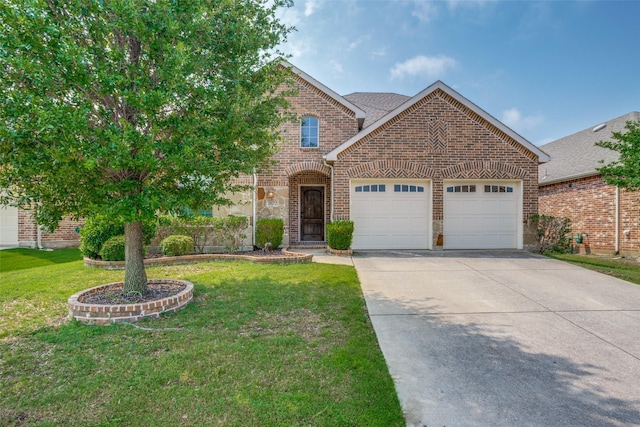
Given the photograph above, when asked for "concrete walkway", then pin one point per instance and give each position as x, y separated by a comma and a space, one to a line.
504, 339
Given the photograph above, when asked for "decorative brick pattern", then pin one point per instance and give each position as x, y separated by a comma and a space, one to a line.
391, 169
97, 314
590, 204
438, 135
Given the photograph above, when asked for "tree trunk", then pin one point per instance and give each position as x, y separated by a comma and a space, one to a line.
135, 276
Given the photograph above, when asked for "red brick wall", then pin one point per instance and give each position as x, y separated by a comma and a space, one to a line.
64, 236
590, 204
467, 147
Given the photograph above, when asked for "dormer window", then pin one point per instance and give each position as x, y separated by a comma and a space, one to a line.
309, 132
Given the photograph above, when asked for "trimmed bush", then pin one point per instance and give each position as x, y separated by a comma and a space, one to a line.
100, 228
269, 230
177, 245
113, 249
226, 231
340, 234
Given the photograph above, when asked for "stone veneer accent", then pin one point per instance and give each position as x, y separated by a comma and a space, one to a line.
98, 314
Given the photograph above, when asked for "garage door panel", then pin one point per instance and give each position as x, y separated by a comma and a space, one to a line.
481, 219
390, 219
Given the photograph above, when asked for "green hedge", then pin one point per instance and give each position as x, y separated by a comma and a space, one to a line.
113, 249
228, 231
177, 245
100, 228
340, 234
269, 230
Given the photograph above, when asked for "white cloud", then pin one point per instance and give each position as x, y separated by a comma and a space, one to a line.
288, 16
297, 48
425, 11
379, 53
421, 65
454, 4
336, 66
514, 119
310, 6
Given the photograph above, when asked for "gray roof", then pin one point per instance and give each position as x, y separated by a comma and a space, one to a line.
576, 156
376, 104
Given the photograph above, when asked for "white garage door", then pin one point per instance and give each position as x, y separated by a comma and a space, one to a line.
391, 214
482, 215
8, 226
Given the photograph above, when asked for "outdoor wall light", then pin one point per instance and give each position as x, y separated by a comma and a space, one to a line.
270, 194
626, 232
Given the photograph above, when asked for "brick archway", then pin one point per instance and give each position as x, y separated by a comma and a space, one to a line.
484, 170
391, 169
307, 167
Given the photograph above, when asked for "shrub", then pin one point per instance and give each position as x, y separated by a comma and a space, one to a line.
230, 232
100, 228
552, 234
227, 231
177, 245
269, 230
340, 234
113, 249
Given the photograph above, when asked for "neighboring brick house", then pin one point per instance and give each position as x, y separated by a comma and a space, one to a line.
422, 172
608, 218
18, 228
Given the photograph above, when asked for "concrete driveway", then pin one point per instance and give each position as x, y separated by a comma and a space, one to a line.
505, 338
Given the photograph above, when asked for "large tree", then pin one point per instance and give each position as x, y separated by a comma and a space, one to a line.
131, 107
625, 172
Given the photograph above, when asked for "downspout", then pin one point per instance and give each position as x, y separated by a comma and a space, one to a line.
324, 161
617, 203
38, 236
255, 209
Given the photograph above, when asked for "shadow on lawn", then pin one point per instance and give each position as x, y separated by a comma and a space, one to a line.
478, 372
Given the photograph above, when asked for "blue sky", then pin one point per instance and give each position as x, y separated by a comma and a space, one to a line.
547, 69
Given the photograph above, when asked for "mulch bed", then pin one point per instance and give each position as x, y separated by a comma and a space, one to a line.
114, 295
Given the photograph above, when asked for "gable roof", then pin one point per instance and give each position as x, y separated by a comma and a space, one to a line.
376, 104
359, 113
576, 156
438, 85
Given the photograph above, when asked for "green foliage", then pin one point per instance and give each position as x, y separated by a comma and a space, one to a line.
145, 106
227, 231
113, 249
100, 228
625, 172
340, 234
269, 230
177, 245
552, 234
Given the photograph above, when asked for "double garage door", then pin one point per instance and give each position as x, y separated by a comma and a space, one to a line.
396, 214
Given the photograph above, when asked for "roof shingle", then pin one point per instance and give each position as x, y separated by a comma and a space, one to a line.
577, 156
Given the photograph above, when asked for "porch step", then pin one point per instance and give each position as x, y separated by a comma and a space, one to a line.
308, 245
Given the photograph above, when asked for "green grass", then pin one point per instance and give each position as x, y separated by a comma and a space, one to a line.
621, 268
259, 345
22, 259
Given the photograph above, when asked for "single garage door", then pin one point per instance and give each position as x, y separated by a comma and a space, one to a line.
391, 214
482, 215
8, 226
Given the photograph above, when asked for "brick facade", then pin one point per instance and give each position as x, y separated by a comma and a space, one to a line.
63, 237
591, 205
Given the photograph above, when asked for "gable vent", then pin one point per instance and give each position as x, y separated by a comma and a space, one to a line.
599, 127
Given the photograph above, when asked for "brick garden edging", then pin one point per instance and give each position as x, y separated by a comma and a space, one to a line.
287, 258
99, 314
340, 252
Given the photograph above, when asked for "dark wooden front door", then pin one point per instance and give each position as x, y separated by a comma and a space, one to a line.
312, 214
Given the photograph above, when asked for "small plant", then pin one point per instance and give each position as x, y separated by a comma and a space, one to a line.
340, 234
113, 249
177, 245
552, 234
269, 230
230, 232
226, 231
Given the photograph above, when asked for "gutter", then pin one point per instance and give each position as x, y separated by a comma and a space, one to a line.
617, 226
567, 178
254, 208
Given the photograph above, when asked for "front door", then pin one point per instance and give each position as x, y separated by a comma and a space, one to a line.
312, 214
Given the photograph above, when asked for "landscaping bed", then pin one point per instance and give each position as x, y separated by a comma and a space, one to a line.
282, 256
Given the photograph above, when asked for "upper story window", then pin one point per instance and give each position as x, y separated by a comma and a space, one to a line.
309, 132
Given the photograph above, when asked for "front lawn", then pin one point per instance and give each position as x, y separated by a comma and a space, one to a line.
622, 268
266, 345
